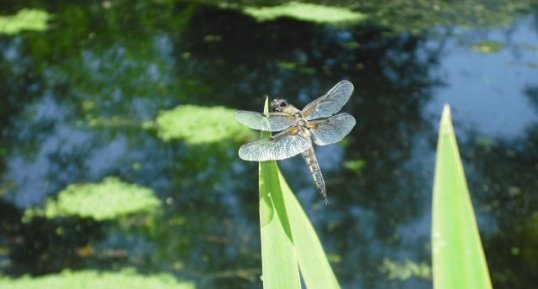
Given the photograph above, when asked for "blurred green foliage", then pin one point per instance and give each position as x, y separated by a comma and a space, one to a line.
405, 270
124, 279
25, 19
107, 200
198, 125
307, 12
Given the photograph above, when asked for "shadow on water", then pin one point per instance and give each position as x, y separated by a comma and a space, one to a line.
79, 98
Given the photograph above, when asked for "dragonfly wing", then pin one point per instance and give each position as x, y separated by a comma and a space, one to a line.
330, 103
281, 146
276, 121
332, 129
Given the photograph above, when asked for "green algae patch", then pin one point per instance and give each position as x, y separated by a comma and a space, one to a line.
25, 19
487, 47
107, 200
306, 12
354, 165
406, 270
125, 279
199, 125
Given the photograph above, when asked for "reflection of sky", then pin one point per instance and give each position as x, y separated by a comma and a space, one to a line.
486, 91
31, 172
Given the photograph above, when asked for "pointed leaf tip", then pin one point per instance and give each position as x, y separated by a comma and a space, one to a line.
446, 108
266, 106
446, 121
446, 113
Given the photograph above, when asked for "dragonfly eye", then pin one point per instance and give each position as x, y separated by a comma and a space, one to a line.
278, 104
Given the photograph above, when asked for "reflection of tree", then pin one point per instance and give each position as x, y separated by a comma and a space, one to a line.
15, 74
121, 70
504, 181
512, 205
532, 93
43, 246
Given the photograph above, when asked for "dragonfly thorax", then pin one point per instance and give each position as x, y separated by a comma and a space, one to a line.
301, 121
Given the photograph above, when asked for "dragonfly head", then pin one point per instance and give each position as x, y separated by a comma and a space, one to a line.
279, 104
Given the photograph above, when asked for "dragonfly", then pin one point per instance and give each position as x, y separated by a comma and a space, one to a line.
317, 123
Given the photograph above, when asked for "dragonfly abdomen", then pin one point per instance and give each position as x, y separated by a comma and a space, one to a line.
315, 171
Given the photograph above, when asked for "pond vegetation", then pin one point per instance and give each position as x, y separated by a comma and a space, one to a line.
306, 12
24, 20
93, 279
107, 200
198, 125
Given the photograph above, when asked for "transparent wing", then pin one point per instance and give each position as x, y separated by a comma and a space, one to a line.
275, 121
330, 103
332, 129
281, 146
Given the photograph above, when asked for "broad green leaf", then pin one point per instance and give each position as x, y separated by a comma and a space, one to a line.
289, 242
458, 258
279, 263
315, 268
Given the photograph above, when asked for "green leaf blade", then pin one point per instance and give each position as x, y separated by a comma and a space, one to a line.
289, 242
458, 257
315, 268
279, 262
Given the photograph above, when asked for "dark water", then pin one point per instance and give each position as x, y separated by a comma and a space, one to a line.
123, 62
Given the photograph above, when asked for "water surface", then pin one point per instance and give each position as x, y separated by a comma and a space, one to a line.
80, 101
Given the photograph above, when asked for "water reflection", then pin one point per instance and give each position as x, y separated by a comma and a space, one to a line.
489, 88
78, 96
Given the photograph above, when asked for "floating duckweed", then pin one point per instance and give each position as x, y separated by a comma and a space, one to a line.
200, 125
406, 269
489, 46
107, 200
25, 19
93, 279
287, 65
354, 165
306, 12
